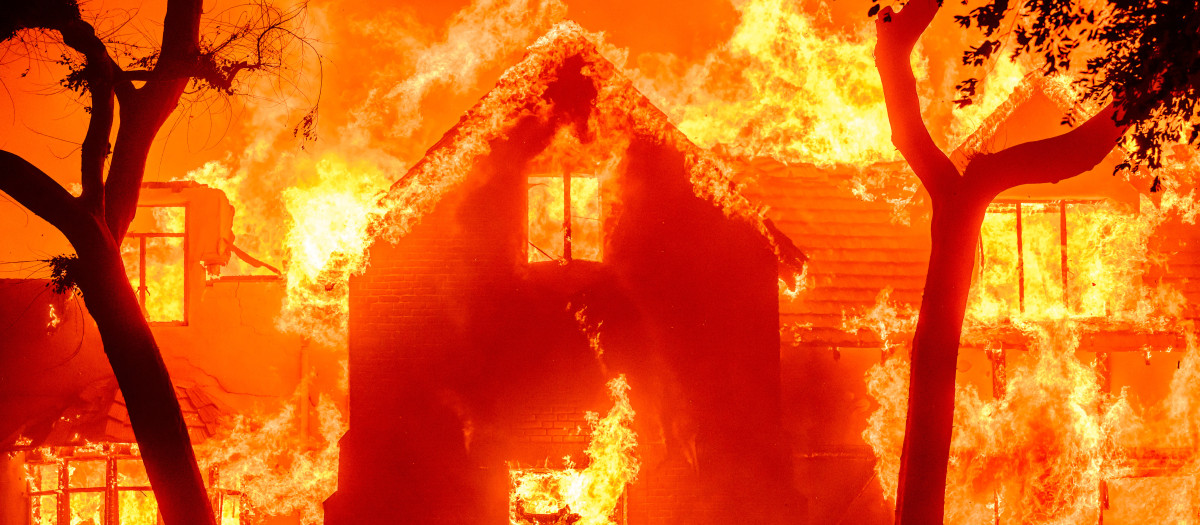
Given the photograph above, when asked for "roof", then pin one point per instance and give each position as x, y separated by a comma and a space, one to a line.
99, 415
523, 88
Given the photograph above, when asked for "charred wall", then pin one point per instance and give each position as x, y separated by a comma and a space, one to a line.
464, 357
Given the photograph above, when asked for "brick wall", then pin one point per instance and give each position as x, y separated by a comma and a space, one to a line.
464, 358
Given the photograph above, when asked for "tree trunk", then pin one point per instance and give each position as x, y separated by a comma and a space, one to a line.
954, 235
154, 411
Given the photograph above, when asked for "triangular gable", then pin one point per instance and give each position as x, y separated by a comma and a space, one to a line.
1039, 101
1035, 84
520, 90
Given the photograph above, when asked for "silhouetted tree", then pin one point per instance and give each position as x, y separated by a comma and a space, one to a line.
1144, 53
111, 175
959, 200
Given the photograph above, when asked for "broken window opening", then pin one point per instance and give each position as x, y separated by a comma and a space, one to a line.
541, 496
155, 256
564, 220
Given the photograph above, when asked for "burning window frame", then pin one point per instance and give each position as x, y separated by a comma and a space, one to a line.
567, 252
1063, 209
140, 249
519, 515
227, 505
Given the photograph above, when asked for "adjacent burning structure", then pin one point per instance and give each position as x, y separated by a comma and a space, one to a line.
67, 451
1076, 377
578, 237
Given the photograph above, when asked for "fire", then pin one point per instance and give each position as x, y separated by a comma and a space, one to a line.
774, 87
331, 217
276, 469
53, 320
1052, 444
155, 261
593, 493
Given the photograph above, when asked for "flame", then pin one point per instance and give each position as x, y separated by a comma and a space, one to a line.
165, 260
315, 209
1052, 444
53, 319
780, 107
772, 88
591, 330
594, 492
326, 241
275, 469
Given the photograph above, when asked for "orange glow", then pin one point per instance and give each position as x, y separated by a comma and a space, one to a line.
1044, 449
416, 97
592, 492
275, 468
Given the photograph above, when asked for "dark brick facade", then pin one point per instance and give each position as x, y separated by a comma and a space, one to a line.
465, 358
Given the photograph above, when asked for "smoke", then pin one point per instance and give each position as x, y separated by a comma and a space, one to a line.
475, 37
311, 207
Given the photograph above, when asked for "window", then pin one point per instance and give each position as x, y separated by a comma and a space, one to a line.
155, 254
1054, 258
564, 218
545, 495
103, 485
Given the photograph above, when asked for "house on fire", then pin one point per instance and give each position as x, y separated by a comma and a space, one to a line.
67, 450
577, 236
1042, 247
561, 235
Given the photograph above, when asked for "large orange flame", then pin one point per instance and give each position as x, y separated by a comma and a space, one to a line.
1052, 445
594, 492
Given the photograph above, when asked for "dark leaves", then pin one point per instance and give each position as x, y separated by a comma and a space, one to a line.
63, 269
42, 14
979, 54
1143, 55
966, 90
874, 10
306, 130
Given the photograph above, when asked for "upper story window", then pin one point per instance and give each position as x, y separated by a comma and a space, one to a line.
564, 221
1055, 259
155, 255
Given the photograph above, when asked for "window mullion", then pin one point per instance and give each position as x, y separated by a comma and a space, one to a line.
142, 272
112, 513
1062, 230
567, 215
64, 497
1020, 261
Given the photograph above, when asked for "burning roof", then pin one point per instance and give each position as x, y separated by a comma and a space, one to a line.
99, 415
526, 88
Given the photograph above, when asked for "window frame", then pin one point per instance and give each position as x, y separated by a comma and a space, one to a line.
141, 288
567, 256
60, 459
1057, 206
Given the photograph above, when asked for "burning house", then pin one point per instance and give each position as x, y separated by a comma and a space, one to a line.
579, 239
1076, 363
69, 453
577, 308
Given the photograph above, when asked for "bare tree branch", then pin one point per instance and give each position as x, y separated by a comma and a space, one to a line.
1048, 160
898, 32
40, 194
